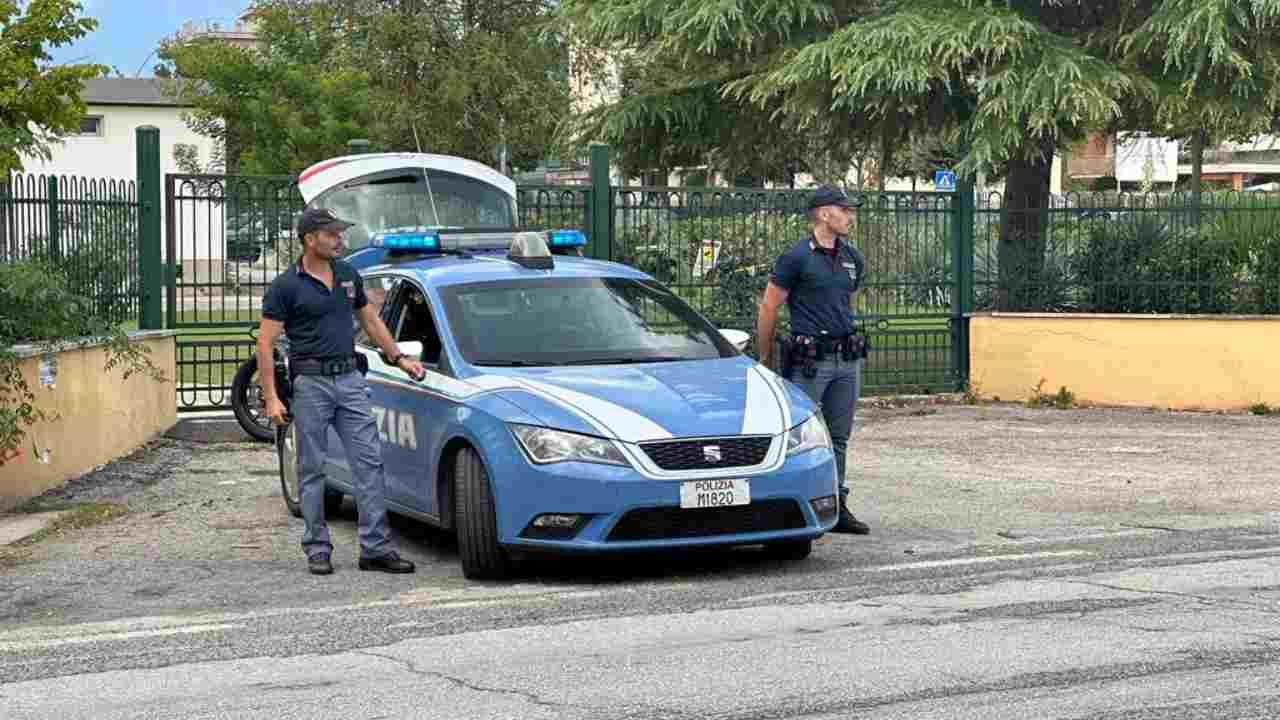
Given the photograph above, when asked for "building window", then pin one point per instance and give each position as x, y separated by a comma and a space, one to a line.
91, 125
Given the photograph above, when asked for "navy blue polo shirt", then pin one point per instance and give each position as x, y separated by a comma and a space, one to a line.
820, 284
317, 320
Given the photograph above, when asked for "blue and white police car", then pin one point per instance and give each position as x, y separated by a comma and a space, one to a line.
569, 404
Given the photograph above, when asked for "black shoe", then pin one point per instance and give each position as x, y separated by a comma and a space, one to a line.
319, 564
850, 524
390, 563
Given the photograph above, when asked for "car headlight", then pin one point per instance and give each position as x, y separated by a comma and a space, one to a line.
544, 445
808, 435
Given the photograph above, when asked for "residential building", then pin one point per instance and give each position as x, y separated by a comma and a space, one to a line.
106, 146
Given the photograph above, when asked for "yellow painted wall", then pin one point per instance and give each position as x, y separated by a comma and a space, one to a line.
99, 416
1176, 362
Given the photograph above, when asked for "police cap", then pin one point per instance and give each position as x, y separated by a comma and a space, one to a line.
317, 219
832, 195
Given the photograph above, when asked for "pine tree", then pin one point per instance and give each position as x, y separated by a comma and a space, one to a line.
1004, 84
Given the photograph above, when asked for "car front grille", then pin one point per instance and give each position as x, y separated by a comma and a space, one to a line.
708, 453
667, 523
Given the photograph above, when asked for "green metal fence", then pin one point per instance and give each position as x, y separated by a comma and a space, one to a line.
87, 227
1130, 253
716, 247
227, 237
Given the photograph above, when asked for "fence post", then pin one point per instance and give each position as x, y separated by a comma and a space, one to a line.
601, 214
149, 253
55, 218
962, 220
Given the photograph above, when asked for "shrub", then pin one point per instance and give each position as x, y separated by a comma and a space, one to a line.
38, 306
1152, 266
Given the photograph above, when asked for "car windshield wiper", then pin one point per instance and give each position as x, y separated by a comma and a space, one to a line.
626, 360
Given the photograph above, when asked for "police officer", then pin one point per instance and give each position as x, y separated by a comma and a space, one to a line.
313, 302
816, 279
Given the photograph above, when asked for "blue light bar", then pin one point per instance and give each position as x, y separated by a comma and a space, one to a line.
566, 238
419, 241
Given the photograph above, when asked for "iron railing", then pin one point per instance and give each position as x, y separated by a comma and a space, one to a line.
1129, 253
716, 248
228, 237
87, 228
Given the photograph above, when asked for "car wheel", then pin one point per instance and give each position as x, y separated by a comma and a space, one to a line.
476, 520
287, 453
790, 549
246, 402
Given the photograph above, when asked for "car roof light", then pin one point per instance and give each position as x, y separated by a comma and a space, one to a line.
530, 250
566, 238
428, 241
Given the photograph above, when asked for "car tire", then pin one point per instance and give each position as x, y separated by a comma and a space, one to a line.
476, 520
287, 457
790, 549
241, 385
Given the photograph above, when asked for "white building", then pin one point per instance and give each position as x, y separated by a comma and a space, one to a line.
106, 147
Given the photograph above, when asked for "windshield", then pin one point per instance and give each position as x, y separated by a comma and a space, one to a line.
417, 198
577, 321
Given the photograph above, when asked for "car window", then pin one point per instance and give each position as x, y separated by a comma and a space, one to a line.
417, 324
415, 198
577, 321
378, 289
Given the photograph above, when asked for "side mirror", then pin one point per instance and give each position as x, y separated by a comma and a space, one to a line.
737, 338
412, 348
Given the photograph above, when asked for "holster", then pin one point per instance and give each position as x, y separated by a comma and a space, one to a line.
804, 353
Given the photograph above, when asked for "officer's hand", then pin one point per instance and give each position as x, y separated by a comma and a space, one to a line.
275, 410
413, 367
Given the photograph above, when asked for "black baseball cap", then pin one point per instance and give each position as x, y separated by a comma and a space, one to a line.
832, 195
317, 219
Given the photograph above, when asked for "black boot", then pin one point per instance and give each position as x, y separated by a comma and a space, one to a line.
850, 524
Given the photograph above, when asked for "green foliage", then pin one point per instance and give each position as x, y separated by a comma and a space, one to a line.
41, 308
449, 77
1152, 265
1064, 399
39, 102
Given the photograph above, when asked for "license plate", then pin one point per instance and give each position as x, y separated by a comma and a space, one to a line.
715, 493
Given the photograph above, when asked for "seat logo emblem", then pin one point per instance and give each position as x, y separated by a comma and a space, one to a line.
711, 453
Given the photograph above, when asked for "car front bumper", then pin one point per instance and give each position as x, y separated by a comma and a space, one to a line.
618, 508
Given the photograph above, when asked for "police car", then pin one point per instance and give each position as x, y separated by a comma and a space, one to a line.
569, 404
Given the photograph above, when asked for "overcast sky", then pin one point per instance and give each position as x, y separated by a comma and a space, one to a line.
130, 30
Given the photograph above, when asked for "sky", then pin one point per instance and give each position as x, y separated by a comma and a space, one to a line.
130, 30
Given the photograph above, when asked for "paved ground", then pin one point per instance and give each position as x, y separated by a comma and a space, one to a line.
1024, 563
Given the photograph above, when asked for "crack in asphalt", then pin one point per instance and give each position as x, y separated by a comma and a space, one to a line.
1043, 684
1202, 599
529, 697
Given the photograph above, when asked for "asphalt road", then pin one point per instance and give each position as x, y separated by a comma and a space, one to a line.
993, 603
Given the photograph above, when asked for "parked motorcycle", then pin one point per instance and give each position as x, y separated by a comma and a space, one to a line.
246, 393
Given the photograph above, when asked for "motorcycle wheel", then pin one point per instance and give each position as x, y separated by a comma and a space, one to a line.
246, 403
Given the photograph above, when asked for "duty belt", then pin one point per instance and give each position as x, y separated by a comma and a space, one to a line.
323, 366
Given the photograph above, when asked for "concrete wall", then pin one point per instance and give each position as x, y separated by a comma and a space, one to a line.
1176, 362
98, 416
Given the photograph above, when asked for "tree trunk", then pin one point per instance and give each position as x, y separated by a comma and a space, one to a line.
1198, 139
1023, 225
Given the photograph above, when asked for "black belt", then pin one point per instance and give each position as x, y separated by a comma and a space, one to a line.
323, 366
826, 343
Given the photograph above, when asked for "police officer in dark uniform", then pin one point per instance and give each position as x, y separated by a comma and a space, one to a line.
816, 279
313, 303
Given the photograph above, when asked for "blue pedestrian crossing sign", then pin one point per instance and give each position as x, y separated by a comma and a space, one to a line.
944, 180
